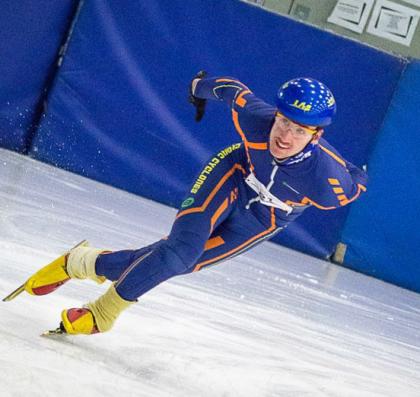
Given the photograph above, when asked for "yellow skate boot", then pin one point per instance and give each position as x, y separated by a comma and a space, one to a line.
98, 316
78, 321
52, 276
47, 279
78, 262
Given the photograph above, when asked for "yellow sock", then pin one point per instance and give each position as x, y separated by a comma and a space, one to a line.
107, 308
81, 263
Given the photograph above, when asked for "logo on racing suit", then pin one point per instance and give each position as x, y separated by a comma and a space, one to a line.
211, 165
187, 202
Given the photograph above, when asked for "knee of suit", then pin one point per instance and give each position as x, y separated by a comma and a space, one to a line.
170, 258
184, 254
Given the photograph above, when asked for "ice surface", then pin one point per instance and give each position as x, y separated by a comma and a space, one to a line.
271, 322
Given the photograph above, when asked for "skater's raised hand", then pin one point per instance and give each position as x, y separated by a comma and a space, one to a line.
198, 103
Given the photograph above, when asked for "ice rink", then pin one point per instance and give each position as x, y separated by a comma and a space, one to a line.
271, 322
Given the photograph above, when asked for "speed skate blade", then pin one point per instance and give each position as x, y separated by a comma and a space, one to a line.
14, 294
54, 332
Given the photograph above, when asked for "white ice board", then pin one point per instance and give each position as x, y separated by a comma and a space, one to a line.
272, 322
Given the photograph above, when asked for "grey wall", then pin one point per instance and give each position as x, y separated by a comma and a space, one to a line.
316, 12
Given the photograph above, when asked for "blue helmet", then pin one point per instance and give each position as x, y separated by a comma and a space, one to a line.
306, 101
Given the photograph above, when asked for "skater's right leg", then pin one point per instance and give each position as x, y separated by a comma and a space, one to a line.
139, 271
78, 262
112, 265
81, 263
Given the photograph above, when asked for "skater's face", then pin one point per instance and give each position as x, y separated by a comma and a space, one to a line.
288, 138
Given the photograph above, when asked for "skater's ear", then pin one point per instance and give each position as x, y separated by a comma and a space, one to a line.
317, 136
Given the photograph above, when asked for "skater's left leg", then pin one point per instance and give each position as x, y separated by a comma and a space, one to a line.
139, 271
187, 249
151, 266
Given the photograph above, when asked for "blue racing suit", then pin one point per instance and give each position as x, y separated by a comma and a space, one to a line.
241, 197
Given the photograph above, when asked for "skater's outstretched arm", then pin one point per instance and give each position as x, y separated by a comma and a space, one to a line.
250, 114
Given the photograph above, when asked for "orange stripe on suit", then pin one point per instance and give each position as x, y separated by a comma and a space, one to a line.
333, 155
243, 245
243, 136
218, 213
214, 242
213, 192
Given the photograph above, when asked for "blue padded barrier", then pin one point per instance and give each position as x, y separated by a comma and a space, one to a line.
382, 231
31, 33
118, 111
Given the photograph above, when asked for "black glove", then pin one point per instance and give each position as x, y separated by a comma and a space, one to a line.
199, 103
